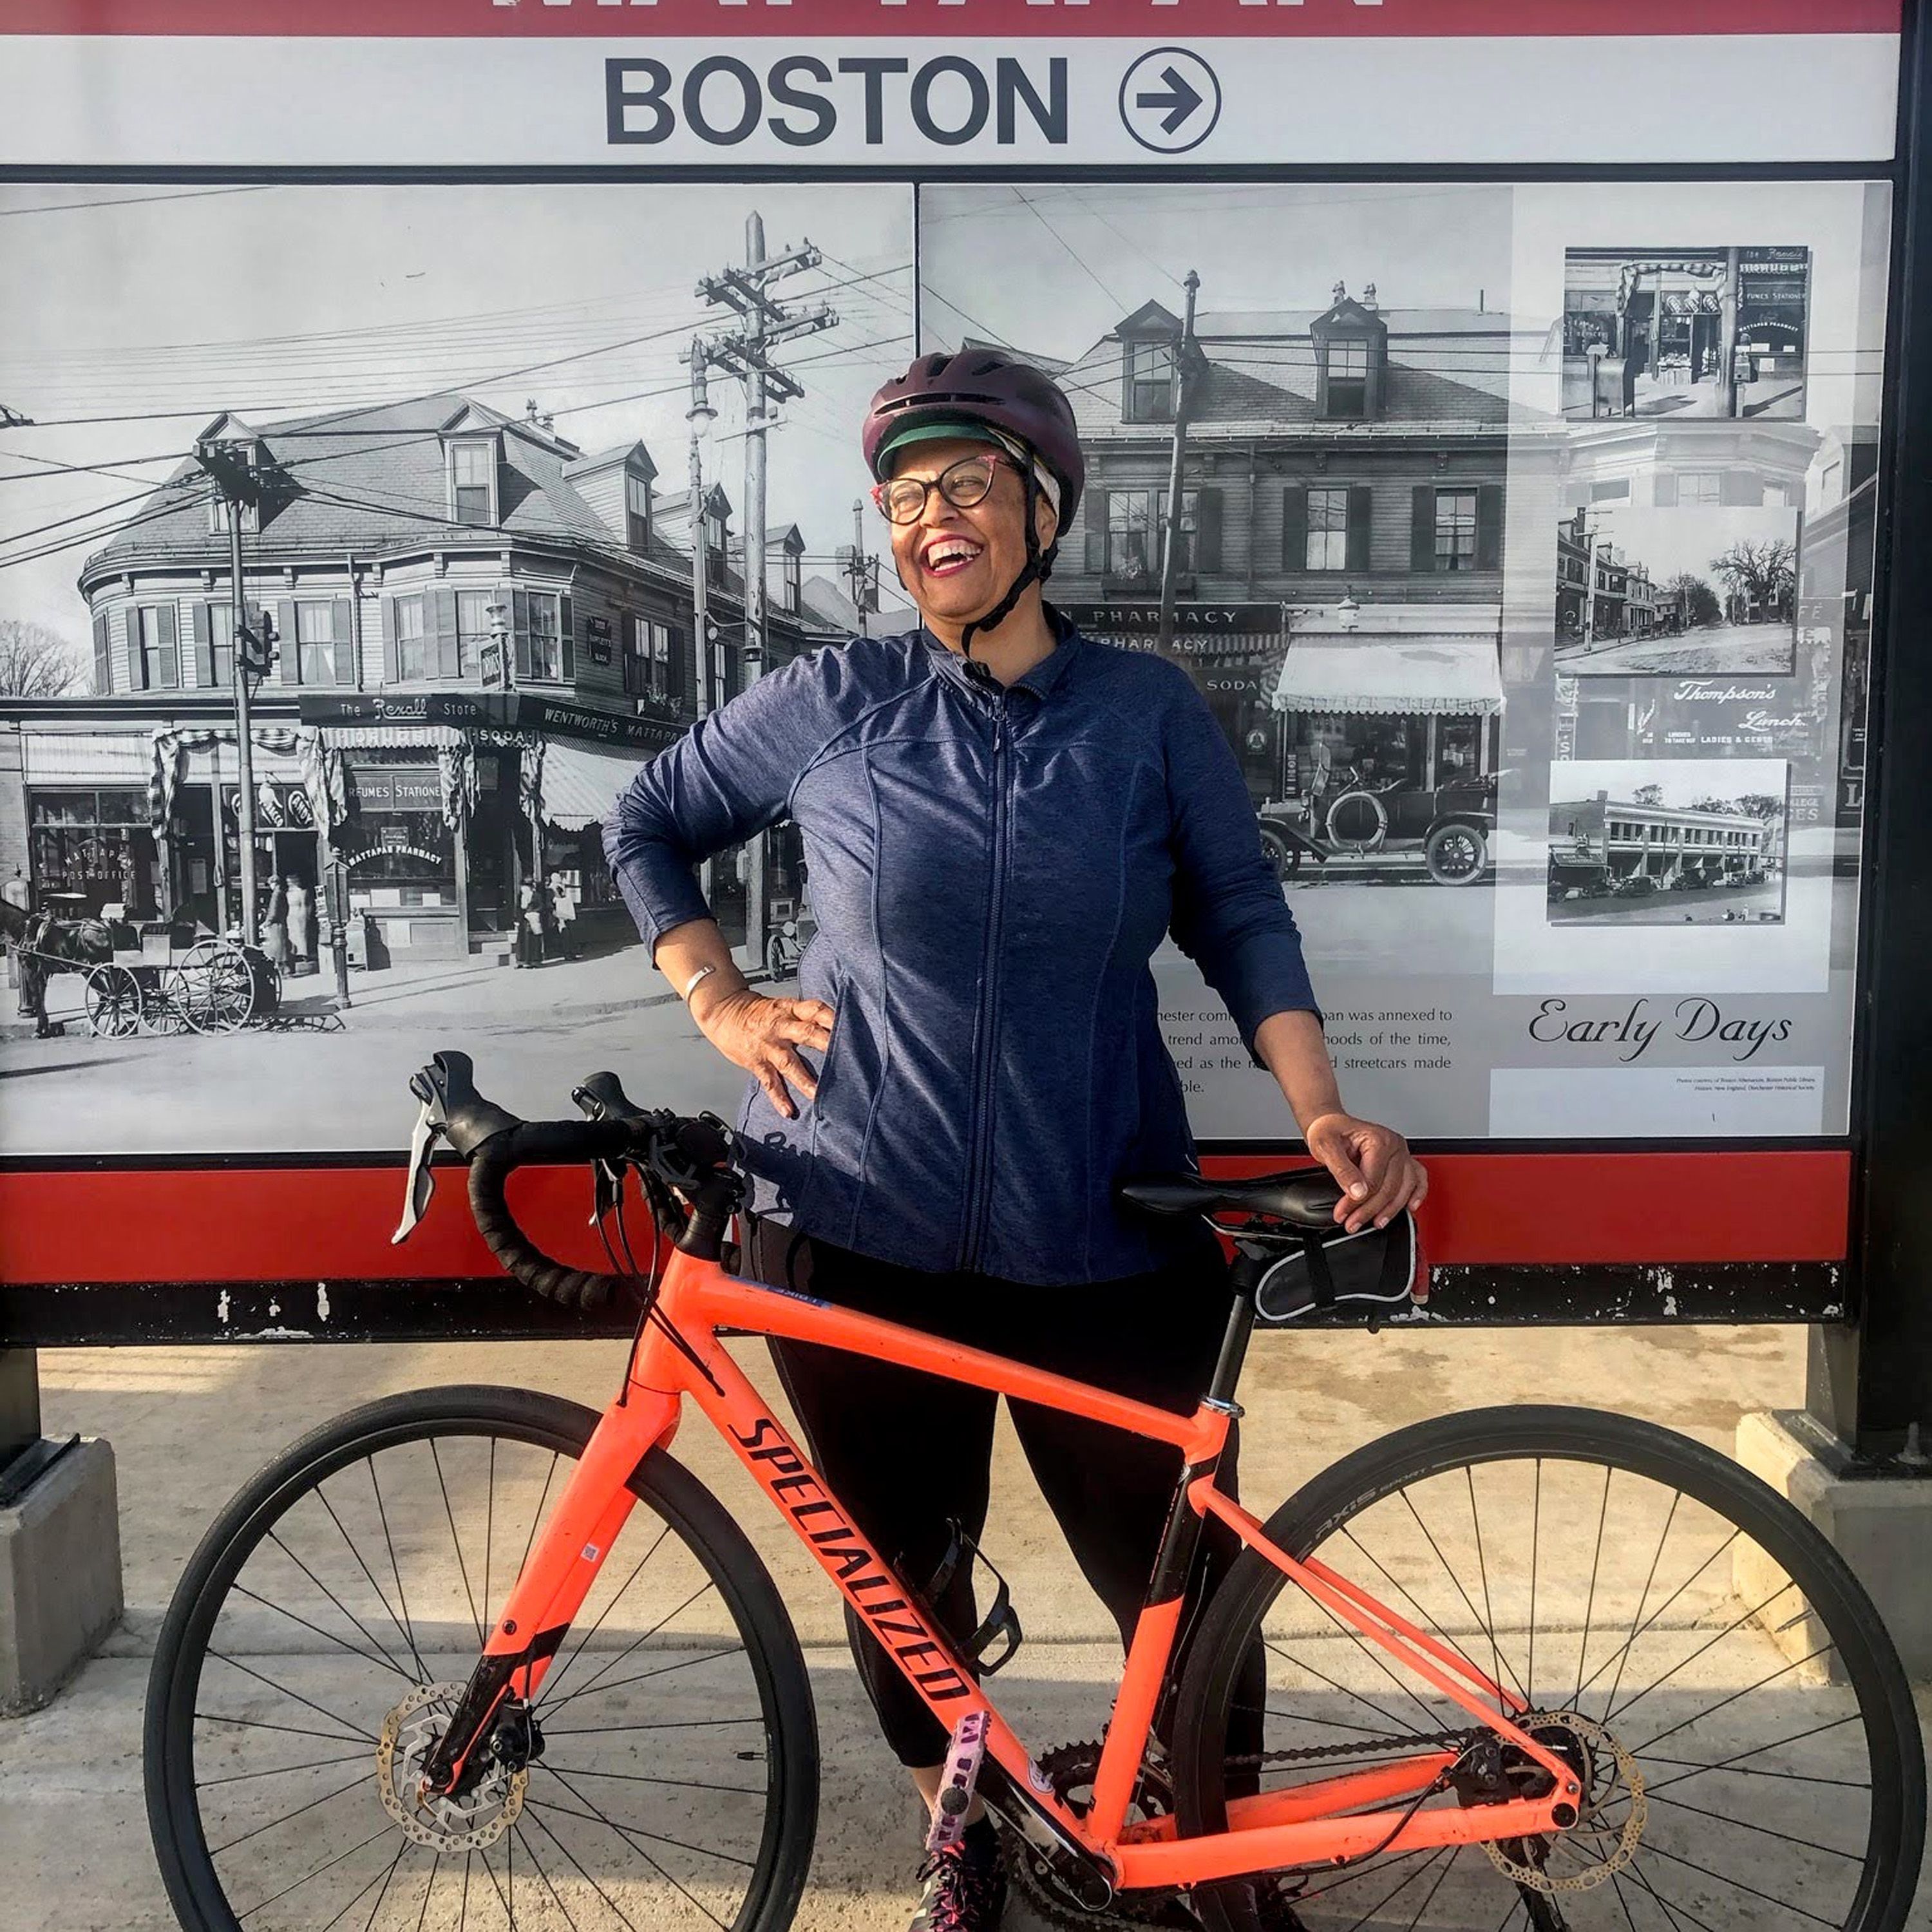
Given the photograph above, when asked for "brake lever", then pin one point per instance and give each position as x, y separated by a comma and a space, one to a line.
421, 1185
608, 1190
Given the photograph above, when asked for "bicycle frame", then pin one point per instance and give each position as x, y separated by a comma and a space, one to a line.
1319, 1823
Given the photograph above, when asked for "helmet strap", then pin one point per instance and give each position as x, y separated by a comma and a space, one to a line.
1039, 565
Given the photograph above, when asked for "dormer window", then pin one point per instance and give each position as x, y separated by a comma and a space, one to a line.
1150, 382
1344, 369
637, 510
473, 482
793, 583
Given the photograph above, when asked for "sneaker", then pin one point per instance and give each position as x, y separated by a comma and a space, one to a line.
960, 1893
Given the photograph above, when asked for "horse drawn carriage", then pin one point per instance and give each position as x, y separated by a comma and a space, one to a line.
149, 975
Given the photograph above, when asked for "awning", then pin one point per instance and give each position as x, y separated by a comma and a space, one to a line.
581, 783
1410, 675
391, 737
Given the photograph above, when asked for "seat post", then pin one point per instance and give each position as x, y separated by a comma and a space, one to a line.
1244, 1276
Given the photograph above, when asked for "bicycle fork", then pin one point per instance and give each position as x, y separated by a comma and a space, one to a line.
556, 1578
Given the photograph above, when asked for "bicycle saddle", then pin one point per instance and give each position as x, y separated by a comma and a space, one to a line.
1304, 1197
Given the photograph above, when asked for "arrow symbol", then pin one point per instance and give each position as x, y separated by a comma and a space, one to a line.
1181, 100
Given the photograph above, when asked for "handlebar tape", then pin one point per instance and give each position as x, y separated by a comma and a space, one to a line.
529, 1143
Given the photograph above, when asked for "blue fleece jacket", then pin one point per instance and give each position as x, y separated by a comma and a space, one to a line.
991, 871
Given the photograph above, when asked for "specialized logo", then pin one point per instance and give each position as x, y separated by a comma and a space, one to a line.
851, 1560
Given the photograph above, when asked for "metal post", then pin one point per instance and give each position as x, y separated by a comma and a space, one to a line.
1727, 332
1870, 1384
244, 752
861, 569
755, 396
1170, 541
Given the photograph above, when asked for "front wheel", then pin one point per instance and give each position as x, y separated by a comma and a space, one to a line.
666, 1776
1739, 1717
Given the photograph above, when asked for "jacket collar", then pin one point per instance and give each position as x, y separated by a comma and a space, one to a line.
1045, 678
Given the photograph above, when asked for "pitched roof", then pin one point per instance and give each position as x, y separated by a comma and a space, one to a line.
373, 480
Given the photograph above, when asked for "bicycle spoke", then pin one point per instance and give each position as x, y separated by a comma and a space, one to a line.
1429, 1897
463, 1568
1617, 1886
429, 1890
1356, 1925
582, 1874
1387, 1717
381, 1879
368, 1656
530, 1852
1448, 1570
1684, 1724
703, 1589
381, 1595
663, 1670
1535, 1542
292, 1730
283, 1770
1650, 1577
388, 1879
395, 1569
355, 1783
1758, 1750
1424, 1619
490, 1527
354, 1730
1765, 1831
536, 1515
598, 1817
557, 1676
643, 1777
659, 1724
261, 1905
374, 1642
1590, 1601
1664, 1905
1629, 1642
668, 1877
1769, 1898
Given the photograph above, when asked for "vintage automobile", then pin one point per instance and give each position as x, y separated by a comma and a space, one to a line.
1451, 825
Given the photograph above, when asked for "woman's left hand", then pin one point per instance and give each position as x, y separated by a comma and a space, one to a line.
1378, 1175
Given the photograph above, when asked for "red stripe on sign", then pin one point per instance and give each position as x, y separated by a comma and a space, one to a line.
333, 1223
718, 20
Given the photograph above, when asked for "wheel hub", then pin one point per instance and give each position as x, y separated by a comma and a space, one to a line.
469, 1819
1605, 1772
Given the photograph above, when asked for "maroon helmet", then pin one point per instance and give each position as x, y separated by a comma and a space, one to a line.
983, 386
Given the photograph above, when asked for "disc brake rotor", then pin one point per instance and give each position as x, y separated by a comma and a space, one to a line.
469, 1823
1608, 1772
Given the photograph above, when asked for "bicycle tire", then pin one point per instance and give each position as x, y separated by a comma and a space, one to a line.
1326, 1515
682, 1522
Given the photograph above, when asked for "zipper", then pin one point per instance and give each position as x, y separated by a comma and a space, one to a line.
979, 1190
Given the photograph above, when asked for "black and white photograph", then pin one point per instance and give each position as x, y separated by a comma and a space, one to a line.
1326, 370
1690, 841
1703, 589
488, 458
1689, 332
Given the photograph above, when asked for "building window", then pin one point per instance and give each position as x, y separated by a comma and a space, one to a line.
472, 478
1455, 529
792, 584
1699, 486
472, 630
646, 658
161, 657
104, 657
637, 510
1150, 372
546, 636
412, 641
98, 845
314, 641
1617, 489
215, 647
1347, 374
1130, 534
1327, 530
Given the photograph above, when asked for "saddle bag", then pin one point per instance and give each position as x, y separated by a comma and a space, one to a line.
1370, 1276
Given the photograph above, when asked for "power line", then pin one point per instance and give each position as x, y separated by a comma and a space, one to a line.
137, 200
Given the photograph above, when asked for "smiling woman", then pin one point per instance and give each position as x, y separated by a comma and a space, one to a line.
1002, 820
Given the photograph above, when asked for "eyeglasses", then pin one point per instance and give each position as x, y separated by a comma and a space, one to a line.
902, 500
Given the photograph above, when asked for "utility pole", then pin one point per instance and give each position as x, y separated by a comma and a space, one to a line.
240, 485
865, 593
1170, 541
746, 353
700, 415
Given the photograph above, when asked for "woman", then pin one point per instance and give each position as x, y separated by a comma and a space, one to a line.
1003, 821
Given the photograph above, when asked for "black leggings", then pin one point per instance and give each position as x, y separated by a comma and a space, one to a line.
905, 1451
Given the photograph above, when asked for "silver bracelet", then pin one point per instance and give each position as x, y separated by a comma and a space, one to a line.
690, 984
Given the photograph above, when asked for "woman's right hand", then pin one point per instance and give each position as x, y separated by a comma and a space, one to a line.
764, 1035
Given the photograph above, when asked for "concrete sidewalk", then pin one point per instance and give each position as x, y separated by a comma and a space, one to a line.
188, 1424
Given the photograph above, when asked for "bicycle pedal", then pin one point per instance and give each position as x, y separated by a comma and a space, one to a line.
964, 1753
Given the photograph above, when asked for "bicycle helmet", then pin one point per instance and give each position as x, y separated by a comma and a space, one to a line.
987, 388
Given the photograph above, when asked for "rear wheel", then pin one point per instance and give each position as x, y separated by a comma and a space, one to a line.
1743, 1727
665, 1777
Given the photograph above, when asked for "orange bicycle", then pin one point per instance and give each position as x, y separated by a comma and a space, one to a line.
481, 1657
